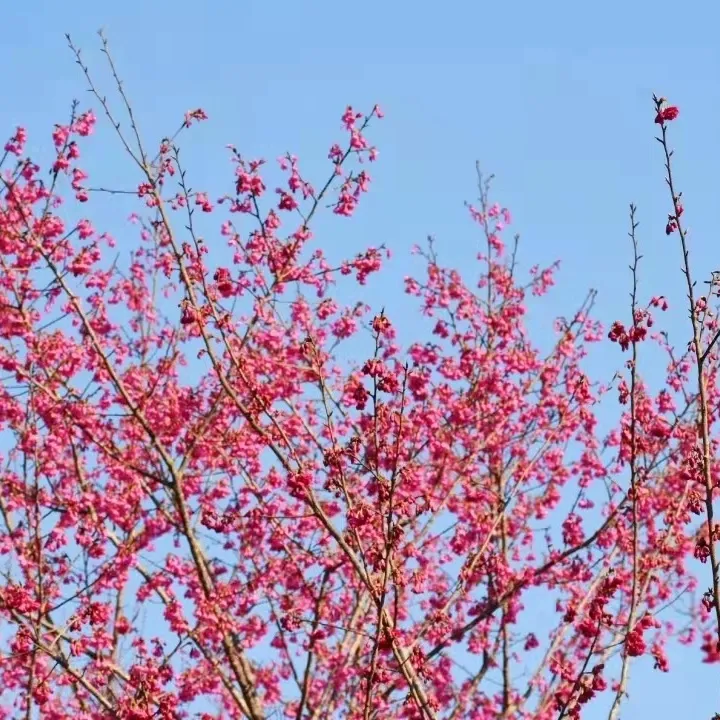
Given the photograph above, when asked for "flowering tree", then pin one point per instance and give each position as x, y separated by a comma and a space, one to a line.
271, 533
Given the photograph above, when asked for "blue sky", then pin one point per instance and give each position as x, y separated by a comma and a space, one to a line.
554, 98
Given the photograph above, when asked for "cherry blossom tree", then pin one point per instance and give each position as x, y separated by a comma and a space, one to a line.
207, 511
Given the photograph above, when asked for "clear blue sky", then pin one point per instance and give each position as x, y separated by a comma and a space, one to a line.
553, 97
